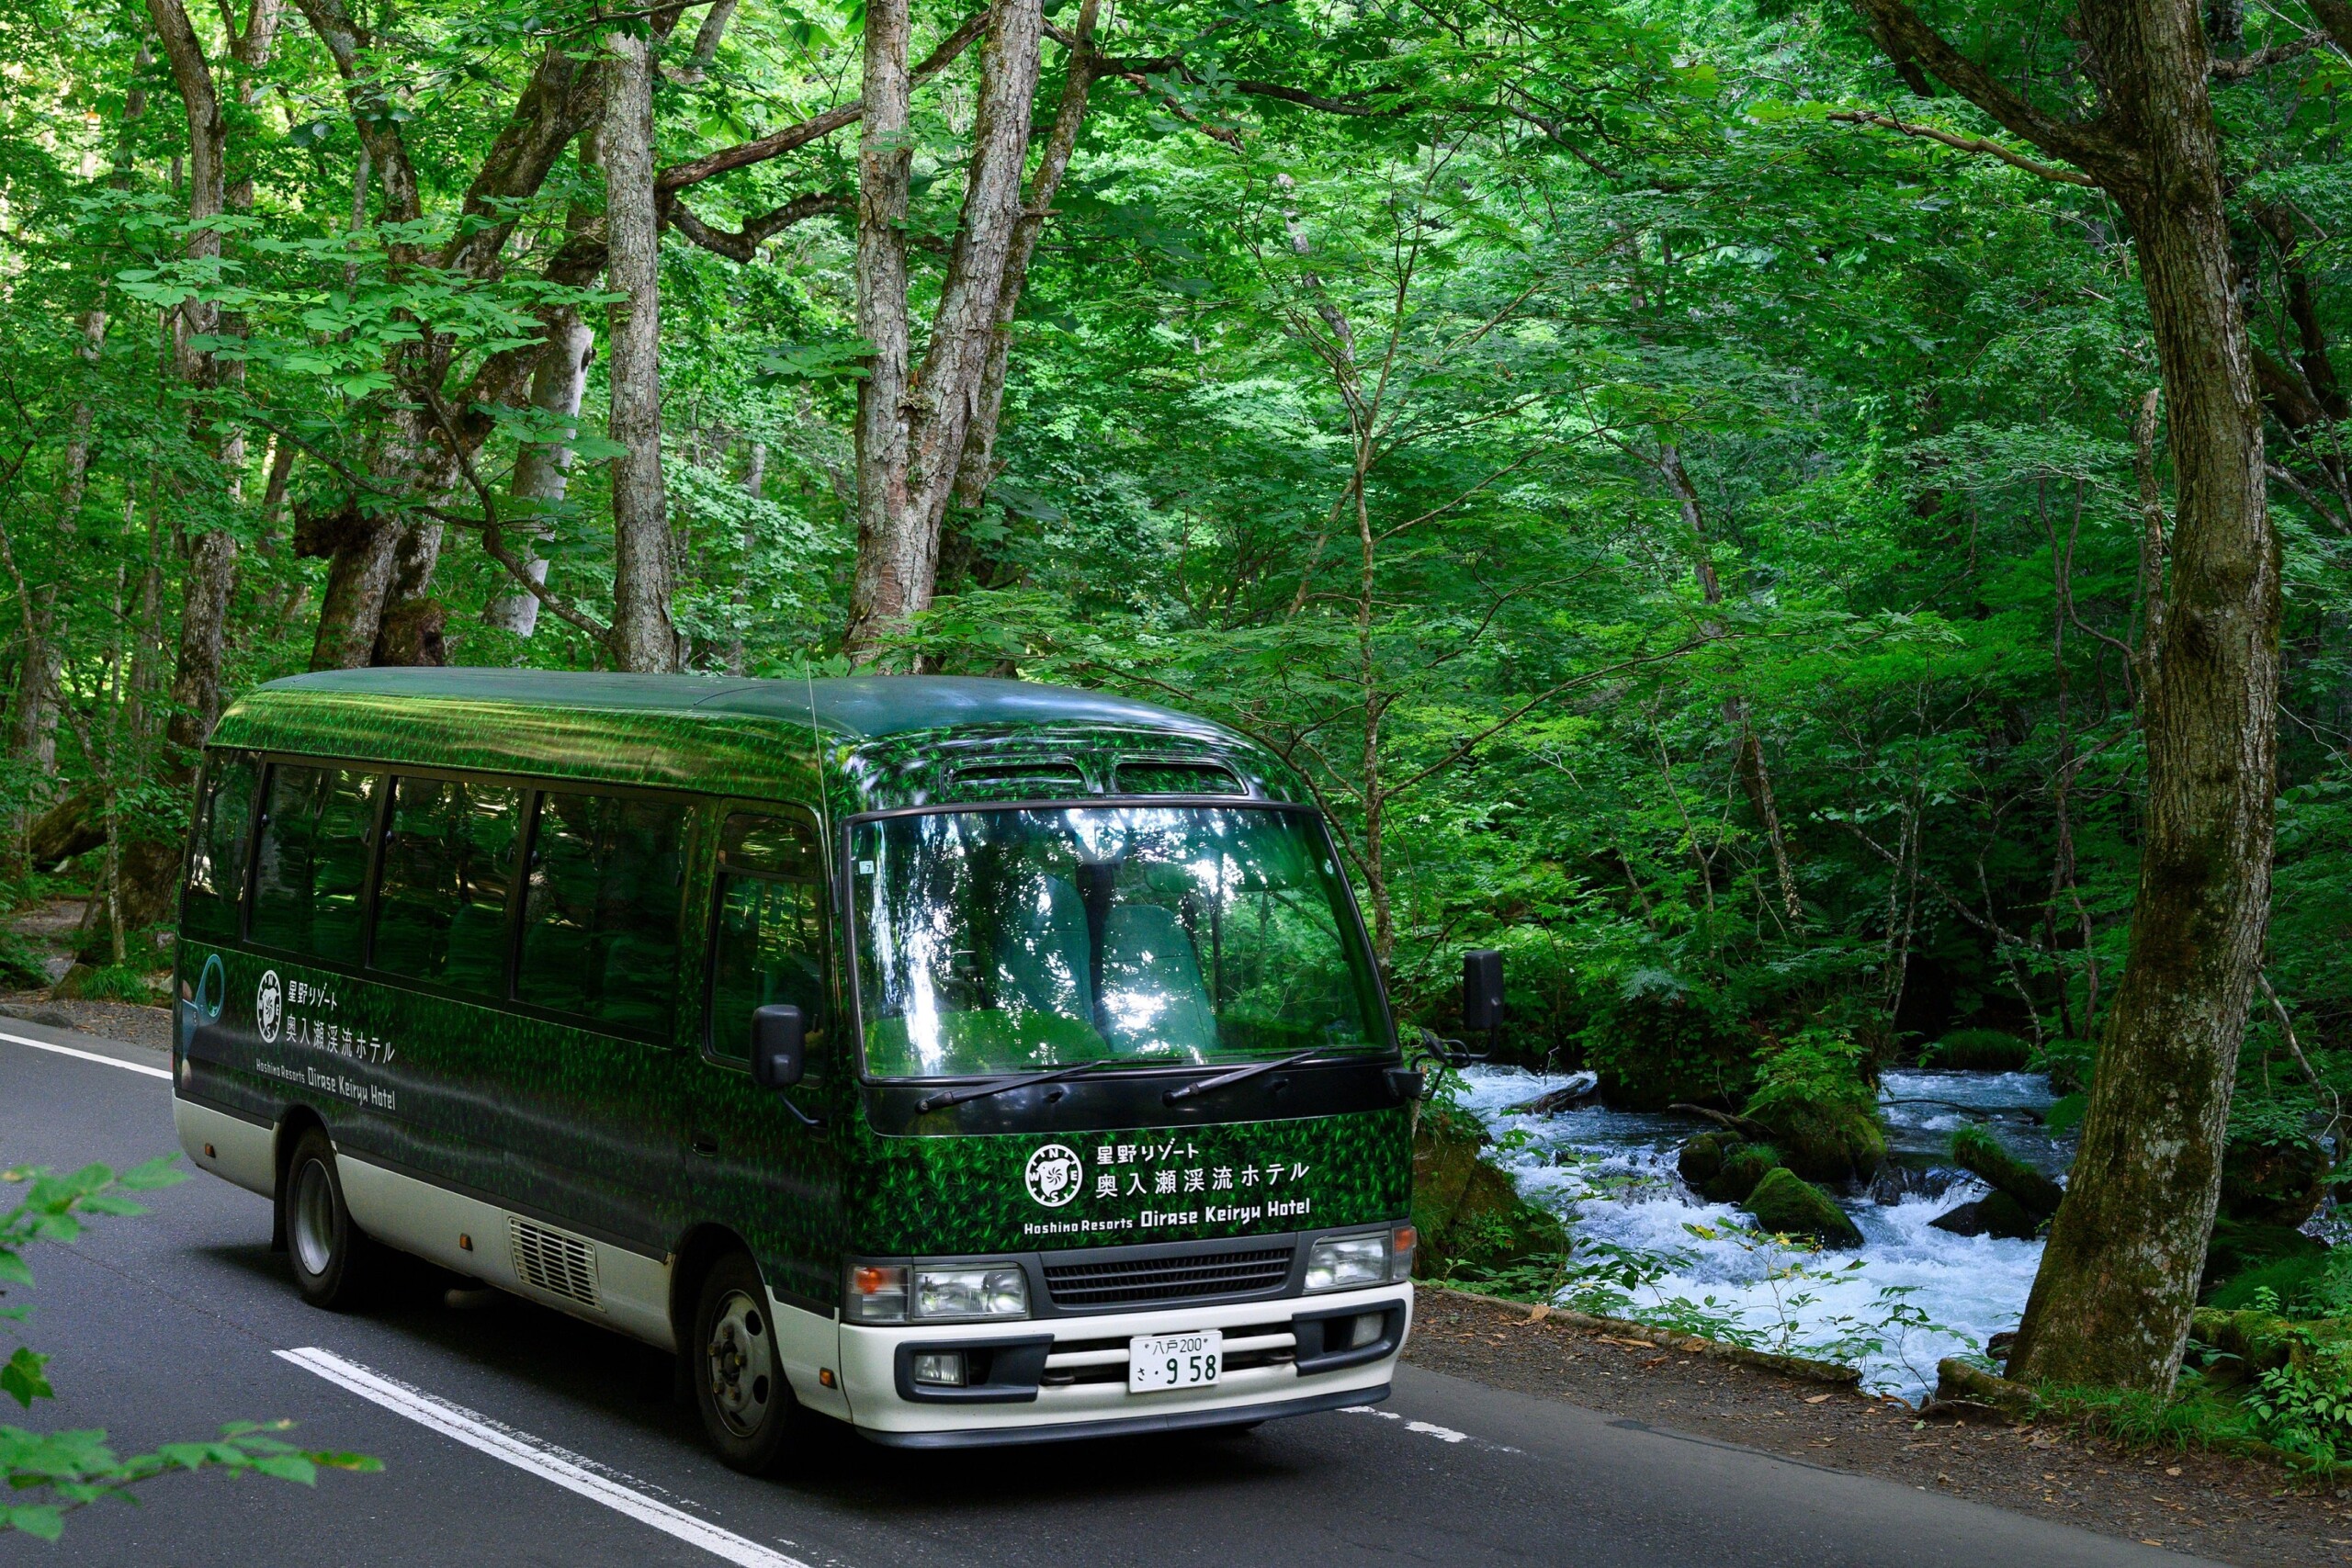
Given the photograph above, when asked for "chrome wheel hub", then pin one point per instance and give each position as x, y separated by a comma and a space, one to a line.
313, 1219
741, 1364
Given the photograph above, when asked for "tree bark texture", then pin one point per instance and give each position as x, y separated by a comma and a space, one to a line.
543, 469
642, 635
2111, 1302
911, 430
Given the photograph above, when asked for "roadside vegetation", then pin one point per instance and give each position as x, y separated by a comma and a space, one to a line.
1708, 495
49, 1474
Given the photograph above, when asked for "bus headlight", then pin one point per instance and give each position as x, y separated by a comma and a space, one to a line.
1340, 1262
999, 1290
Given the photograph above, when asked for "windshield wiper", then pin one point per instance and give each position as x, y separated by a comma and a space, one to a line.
947, 1096
1237, 1075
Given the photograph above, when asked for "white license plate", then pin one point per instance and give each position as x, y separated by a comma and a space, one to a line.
1157, 1361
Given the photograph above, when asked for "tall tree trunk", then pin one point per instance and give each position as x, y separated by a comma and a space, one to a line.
2111, 1303
911, 431
642, 635
1754, 776
2112, 1299
543, 469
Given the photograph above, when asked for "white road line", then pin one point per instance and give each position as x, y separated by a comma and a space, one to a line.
527, 1452
87, 1055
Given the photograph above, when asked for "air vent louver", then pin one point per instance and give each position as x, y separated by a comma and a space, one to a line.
1177, 778
550, 1260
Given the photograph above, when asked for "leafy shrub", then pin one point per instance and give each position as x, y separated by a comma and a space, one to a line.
20, 964
115, 983
1982, 1050
1824, 1117
1658, 1039
2067, 1064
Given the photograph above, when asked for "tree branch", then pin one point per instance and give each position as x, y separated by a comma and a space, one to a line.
1903, 33
744, 245
677, 177
1965, 144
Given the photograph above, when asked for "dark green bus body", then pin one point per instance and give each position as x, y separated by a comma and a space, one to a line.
566, 1108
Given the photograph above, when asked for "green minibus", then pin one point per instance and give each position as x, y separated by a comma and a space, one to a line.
965, 1061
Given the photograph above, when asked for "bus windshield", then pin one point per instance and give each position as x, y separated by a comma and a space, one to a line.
1002, 941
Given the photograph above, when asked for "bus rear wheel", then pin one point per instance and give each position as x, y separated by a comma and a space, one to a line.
737, 1367
333, 1258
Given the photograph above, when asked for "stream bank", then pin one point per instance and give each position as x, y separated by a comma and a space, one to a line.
1908, 1296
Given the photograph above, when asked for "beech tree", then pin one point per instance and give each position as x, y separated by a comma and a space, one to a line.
2112, 1300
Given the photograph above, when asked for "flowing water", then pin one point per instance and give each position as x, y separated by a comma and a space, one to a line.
1611, 1175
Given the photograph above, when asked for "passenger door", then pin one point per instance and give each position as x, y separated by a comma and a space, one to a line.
594, 1137
758, 1165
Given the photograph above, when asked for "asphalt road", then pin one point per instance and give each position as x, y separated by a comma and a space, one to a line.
513, 1435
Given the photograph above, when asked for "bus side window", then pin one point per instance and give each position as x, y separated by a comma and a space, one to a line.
600, 921
441, 897
310, 865
216, 862
768, 942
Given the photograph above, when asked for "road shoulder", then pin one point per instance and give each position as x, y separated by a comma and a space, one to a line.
2210, 1505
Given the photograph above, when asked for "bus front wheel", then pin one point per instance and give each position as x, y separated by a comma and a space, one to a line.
331, 1255
745, 1401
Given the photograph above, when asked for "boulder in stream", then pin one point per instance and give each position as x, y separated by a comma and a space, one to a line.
1787, 1204
1996, 1213
1725, 1167
1979, 1151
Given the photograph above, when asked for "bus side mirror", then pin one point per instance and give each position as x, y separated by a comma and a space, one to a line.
779, 1042
1482, 989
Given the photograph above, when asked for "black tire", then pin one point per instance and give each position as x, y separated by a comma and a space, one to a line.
736, 1366
334, 1260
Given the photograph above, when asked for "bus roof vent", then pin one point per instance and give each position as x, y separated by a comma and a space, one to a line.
1177, 778
550, 1260
1024, 778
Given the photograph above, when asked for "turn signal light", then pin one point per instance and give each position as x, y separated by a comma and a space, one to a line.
1400, 1253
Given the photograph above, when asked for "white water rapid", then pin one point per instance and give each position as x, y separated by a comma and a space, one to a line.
1611, 1175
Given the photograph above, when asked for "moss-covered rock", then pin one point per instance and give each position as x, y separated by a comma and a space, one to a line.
1466, 1208
2273, 1183
1787, 1204
1743, 1167
1702, 1159
1976, 1150
1826, 1141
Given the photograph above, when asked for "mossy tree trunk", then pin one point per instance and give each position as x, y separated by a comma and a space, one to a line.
2111, 1304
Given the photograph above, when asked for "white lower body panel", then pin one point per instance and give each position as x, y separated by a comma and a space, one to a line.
869, 1356
228, 1146
631, 1291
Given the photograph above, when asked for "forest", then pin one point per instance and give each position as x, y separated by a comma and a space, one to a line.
1822, 532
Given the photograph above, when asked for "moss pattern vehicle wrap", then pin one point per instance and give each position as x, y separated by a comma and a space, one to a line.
636, 1140
998, 1193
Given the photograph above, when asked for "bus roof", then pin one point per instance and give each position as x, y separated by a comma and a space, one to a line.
857, 707
727, 735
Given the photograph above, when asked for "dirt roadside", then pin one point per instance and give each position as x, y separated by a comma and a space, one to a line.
2211, 1504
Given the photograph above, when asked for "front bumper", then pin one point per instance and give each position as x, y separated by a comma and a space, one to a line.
1078, 1387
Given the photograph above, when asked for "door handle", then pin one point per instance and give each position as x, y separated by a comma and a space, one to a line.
703, 1145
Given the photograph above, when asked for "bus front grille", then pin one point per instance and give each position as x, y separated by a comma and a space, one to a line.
1076, 1285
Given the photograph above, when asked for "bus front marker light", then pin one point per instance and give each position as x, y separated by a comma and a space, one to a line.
1401, 1244
878, 1292
1338, 1262
971, 1292
941, 1368
1362, 1329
